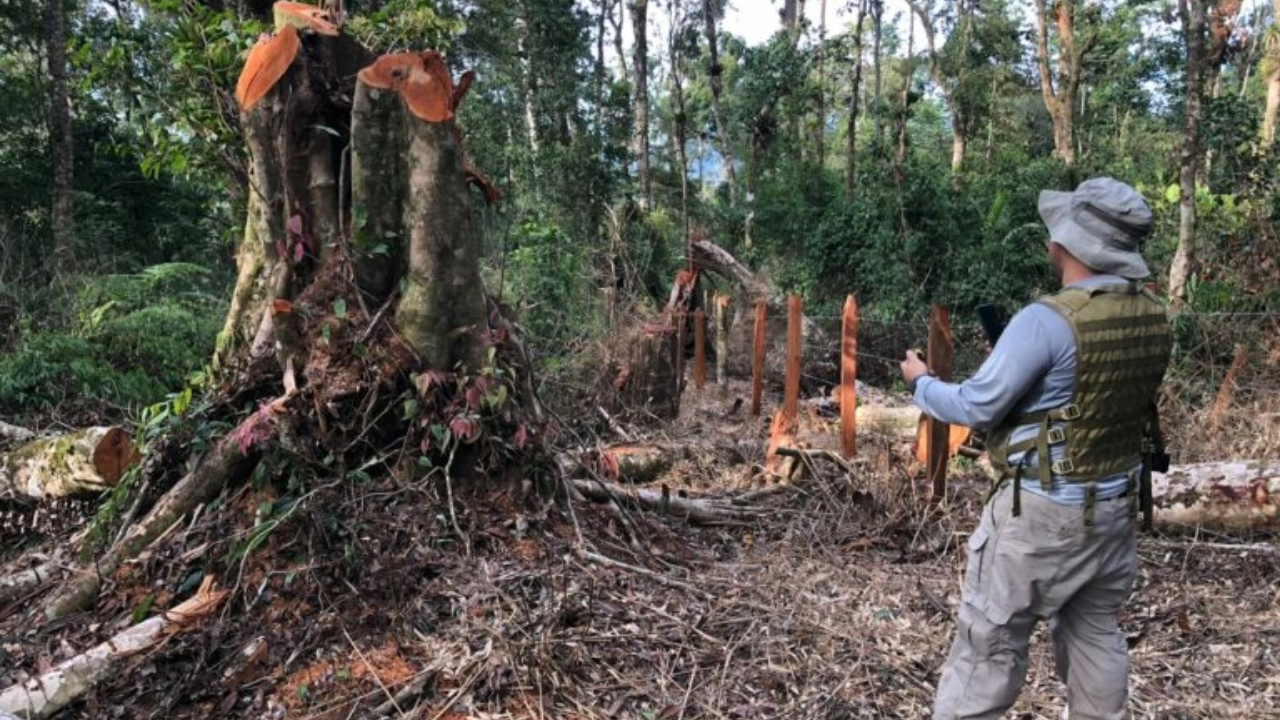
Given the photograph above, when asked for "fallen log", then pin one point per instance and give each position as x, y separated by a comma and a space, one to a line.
85, 461
697, 511
230, 459
1229, 495
42, 696
13, 433
17, 583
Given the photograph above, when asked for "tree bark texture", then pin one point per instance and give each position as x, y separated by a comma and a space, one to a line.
61, 137
1271, 111
409, 189
855, 96
292, 219
1229, 495
1193, 26
640, 64
1060, 100
715, 73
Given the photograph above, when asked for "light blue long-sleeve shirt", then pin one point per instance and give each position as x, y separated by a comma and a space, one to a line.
1031, 368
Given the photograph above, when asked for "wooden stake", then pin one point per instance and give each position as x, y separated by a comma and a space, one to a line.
679, 363
849, 378
699, 349
791, 398
757, 361
1227, 391
722, 339
940, 354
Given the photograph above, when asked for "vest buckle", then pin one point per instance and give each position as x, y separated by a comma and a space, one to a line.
1069, 412
1056, 436
1063, 467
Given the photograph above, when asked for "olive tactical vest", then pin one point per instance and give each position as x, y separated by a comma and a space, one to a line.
1123, 344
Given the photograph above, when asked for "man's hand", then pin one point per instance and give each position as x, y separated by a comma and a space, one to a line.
913, 368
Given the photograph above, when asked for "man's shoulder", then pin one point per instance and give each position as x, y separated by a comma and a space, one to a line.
1039, 317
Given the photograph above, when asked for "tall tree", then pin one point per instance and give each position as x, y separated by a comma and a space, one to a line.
877, 28
948, 85
60, 135
679, 119
640, 64
715, 75
1271, 63
820, 128
1192, 13
1060, 96
851, 134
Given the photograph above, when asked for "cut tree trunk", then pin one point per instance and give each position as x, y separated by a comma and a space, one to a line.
1229, 495
42, 696
85, 461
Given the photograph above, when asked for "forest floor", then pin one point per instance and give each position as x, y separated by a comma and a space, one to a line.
836, 602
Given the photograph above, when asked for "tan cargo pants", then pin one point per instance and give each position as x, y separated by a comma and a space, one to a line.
1043, 564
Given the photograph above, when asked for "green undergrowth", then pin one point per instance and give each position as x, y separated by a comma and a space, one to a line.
130, 341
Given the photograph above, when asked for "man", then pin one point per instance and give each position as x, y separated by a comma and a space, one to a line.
1073, 377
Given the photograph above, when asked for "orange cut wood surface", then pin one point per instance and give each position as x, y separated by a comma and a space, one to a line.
421, 79
302, 15
268, 61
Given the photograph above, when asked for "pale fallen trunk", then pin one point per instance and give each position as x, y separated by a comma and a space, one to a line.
697, 511
13, 433
85, 461
17, 583
1227, 495
42, 696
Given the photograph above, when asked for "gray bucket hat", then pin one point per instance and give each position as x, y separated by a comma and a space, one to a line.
1101, 224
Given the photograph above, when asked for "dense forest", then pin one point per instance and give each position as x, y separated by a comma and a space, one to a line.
894, 152
359, 359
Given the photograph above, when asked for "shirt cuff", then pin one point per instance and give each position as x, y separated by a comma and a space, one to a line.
921, 384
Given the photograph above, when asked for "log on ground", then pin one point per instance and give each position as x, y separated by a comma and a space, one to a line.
1230, 495
85, 461
42, 696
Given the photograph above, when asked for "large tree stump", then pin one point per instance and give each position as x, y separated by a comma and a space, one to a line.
358, 277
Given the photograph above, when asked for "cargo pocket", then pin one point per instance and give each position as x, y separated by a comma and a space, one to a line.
976, 562
982, 588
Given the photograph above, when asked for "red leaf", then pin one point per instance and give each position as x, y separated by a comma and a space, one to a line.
474, 396
521, 438
429, 379
295, 224
464, 429
299, 251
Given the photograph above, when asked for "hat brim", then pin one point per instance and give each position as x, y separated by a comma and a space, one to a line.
1055, 211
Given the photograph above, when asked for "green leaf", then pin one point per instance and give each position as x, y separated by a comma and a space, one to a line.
340, 308
327, 129
144, 608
